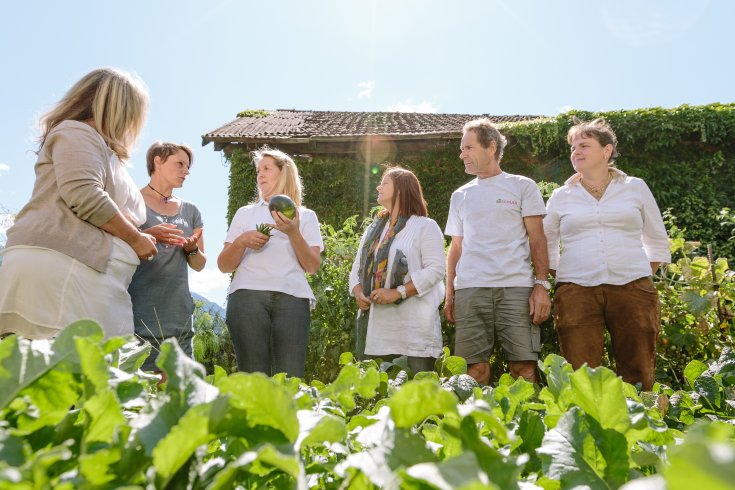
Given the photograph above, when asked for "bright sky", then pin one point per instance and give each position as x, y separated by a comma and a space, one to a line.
204, 61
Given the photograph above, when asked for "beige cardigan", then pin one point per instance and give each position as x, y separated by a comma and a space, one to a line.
80, 185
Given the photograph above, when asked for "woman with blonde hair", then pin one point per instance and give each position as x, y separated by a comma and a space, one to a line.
269, 298
605, 237
74, 247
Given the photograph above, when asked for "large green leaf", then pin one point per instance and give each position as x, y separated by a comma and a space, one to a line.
265, 402
706, 459
600, 393
194, 429
461, 472
385, 450
318, 428
103, 410
579, 452
185, 388
22, 361
416, 400
501, 470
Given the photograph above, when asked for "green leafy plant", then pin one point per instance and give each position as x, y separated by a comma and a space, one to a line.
369, 428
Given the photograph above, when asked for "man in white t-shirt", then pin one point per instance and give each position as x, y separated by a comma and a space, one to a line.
496, 225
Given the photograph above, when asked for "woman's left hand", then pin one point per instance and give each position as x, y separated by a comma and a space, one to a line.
191, 243
285, 225
384, 296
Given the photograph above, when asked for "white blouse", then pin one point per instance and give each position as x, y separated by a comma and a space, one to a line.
413, 327
610, 241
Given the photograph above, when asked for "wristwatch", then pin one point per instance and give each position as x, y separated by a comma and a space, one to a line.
192, 253
402, 291
546, 284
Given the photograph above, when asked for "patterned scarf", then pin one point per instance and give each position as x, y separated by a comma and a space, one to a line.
373, 267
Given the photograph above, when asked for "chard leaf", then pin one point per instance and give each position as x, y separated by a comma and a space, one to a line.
265, 402
705, 460
452, 365
133, 355
516, 393
96, 468
195, 428
184, 375
580, 453
416, 400
93, 364
501, 470
531, 430
693, 370
461, 472
350, 382
50, 396
708, 388
262, 461
22, 361
318, 428
600, 393
104, 412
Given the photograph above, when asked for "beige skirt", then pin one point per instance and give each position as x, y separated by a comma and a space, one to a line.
43, 291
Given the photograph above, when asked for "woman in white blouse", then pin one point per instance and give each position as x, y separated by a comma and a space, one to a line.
606, 237
268, 308
397, 277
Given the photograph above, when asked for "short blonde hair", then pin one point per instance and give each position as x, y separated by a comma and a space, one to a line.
289, 181
114, 100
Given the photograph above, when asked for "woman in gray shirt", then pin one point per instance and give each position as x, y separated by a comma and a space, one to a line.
162, 303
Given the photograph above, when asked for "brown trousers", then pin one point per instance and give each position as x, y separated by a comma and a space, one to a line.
632, 315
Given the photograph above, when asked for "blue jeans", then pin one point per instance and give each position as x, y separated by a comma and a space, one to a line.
269, 331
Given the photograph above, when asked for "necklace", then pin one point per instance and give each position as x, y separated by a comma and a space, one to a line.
599, 190
164, 197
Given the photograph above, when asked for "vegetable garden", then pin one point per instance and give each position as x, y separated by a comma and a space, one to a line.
78, 413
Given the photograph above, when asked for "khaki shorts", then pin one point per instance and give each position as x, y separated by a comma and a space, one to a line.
484, 314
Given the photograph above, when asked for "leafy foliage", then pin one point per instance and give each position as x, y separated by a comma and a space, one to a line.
370, 428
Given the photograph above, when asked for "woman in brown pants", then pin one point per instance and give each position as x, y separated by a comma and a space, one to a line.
612, 239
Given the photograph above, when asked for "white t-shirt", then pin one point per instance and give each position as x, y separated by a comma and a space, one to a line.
275, 266
488, 215
610, 241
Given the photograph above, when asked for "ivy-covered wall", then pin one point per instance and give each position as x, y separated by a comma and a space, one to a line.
685, 154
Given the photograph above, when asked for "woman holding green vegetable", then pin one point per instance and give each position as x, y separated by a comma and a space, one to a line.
268, 307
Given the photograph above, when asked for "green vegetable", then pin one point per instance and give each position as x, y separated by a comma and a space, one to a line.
283, 204
264, 229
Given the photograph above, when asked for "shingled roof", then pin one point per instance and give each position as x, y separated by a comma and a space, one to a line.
308, 130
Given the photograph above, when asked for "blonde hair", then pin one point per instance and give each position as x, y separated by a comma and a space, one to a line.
289, 181
115, 101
